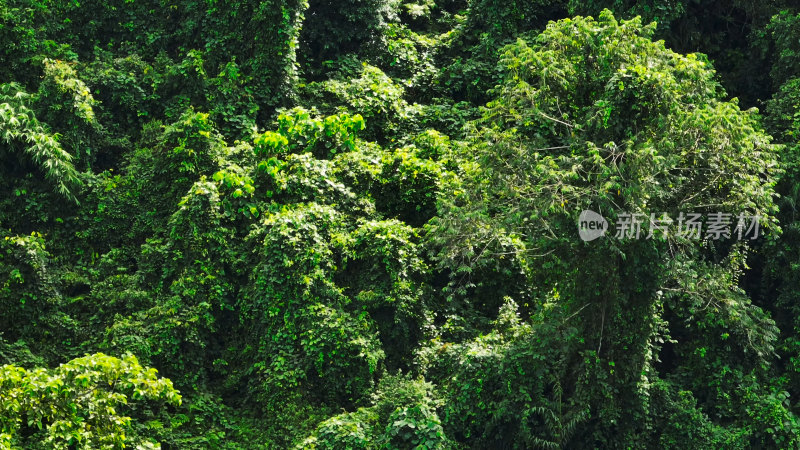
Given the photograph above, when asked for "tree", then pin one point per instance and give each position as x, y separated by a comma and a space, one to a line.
593, 115
79, 403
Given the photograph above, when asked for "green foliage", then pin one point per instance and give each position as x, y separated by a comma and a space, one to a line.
67, 104
409, 57
409, 186
678, 420
382, 272
334, 28
352, 224
22, 133
594, 115
729, 32
185, 150
299, 132
374, 95
27, 293
262, 36
782, 28
123, 88
402, 415
62, 79
298, 313
79, 403
485, 27
349, 430
555, 149
504, 388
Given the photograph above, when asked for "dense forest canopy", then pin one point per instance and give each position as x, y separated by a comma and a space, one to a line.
363, 224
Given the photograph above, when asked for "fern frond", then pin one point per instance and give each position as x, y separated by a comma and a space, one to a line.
18, 123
